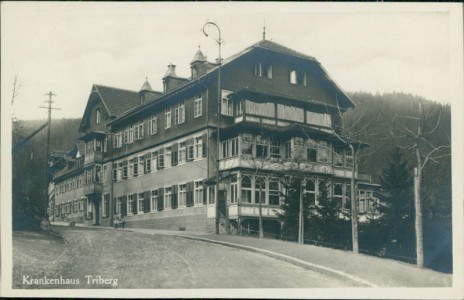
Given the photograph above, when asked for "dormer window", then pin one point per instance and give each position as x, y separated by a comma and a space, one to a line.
98, 116
263, 70
297, 77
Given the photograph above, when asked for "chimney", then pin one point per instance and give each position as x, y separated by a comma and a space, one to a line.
171, 80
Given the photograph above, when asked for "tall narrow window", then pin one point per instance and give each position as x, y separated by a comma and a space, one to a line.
140, 200
260, 190
197, 106
262, 146
167, 197
152, 125
246, 190
234, 147
130, 204
226, 103
310, 191
198, 143
182, 153
225, 149
233, 189
167, 157
154, 200
198, 198
98, 116
139, 130
182, 197
274, 196
180, 113
247, 144
167, 117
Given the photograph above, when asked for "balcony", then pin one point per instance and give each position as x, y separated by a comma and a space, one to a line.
93, 188
93, 157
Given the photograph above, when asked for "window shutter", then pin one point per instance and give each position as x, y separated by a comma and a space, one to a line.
134, 203
204, 141
174, 197
189, 194
124, 206
146, 201
160, 199
114, 205
189, 143
174, 154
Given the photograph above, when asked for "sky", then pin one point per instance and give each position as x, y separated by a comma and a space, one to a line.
375, 47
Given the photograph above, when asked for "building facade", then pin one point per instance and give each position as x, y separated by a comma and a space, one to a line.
169, 160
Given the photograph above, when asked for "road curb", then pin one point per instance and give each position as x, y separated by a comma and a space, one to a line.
286, 258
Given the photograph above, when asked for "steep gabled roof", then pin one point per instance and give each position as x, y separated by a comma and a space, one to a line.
116, 100
263, 44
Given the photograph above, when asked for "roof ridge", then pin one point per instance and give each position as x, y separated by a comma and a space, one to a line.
114, 88
290, 50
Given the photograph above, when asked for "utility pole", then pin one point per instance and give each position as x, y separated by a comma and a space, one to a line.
49, 101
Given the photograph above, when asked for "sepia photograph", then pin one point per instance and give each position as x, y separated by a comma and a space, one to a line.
232, 150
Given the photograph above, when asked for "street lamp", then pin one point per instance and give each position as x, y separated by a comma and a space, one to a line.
219, 60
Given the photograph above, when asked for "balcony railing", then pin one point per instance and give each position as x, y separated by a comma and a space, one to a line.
93, 157
252, 210
93, 188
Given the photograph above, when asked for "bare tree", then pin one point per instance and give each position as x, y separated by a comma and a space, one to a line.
424, 152
15, 90
352, 130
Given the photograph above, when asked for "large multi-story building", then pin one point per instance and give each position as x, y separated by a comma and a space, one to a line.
154, 156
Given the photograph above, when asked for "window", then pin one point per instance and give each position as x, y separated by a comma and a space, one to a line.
198, 144
311, 151
263, 70
197, 106
260, 190
154, 159
118, 204
288, 149
167, 197
134, 167
98, 174
338, 194
297, 77
238, 108
139, 130
140, 200
180, 113
261, 146
124, 170
148, 163
246, 190
347, 202
233, 189
225, 149
182, 155
275, 148
126, 136
130, 203
247, 144
198, 198
190, 152
153, 125
154, 200
234, 147
141, 167
98, 145
274, 196
167, 157
98, 116
226, 103
104, 173
131, 134
117, 142
310, 191
182, 197
167, 118
211, 194
160, 161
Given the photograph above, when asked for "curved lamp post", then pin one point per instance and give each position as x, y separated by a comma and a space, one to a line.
219, 61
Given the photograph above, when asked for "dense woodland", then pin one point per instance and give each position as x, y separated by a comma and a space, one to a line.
388, 154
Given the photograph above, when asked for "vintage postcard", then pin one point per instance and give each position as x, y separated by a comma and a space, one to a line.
232, 150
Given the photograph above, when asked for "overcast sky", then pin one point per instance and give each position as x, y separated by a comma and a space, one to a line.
375, 47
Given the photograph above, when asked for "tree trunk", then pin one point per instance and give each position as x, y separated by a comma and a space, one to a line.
418, 219
354, 209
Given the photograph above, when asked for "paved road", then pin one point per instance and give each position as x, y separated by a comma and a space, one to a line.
158, 261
